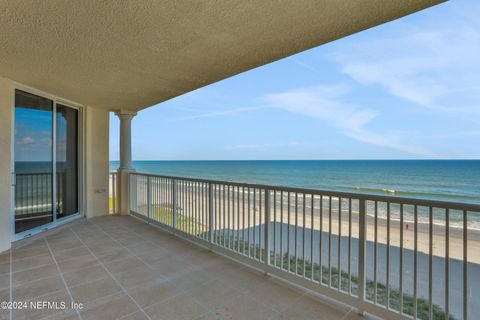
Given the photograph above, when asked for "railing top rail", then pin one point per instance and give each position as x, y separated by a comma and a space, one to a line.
33, 174
360, 196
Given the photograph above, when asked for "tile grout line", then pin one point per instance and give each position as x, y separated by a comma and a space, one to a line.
75, 285
130, 250
111, 275
182, 240
121, 225
303, 293
347, 314
28, 269
176, 295
134, 255
211, 280
61, 276
126, 248
204, 306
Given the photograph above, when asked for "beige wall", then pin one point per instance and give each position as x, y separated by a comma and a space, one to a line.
96, 162
6, 103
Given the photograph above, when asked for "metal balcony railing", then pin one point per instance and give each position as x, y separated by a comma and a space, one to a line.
33, 195
389, 256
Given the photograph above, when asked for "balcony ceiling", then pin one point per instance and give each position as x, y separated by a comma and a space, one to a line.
134, 54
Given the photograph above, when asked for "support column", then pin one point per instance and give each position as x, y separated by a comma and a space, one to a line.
96, 159
6, 163
126, 167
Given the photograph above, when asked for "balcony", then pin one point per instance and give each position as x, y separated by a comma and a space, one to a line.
386, 256
180, 248
122, 268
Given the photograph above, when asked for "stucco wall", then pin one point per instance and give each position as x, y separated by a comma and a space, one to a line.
96, 162
6, 103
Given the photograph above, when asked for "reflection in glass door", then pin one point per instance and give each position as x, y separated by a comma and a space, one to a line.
46, 162
33, 161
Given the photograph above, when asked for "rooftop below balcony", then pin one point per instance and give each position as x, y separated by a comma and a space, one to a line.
122, 268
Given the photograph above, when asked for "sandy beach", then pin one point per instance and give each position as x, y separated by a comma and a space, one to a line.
341, 226
238, 215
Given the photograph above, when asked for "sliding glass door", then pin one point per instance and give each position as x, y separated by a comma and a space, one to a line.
46, 162
66, 148
33, 161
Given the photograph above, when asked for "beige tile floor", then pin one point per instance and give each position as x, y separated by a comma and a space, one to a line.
121, 268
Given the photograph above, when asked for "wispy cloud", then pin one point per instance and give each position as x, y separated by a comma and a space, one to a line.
265, 146
26, 141
303, 64
433, 64
227, 112
325, 103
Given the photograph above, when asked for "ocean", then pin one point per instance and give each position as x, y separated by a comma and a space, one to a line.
445, 180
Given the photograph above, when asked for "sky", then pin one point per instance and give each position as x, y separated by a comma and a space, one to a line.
408, 89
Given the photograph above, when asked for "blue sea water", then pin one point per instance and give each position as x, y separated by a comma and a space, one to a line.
446, 180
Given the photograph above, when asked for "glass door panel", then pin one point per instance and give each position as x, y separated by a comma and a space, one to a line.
66, 148
33, 161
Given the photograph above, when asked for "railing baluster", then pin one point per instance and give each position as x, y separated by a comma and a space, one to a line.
296, 232
415, 262
349, 290
174, 201
362, 225
388, 256
238, 219
243, 220
281, 229
190, 207
198, 208
401, 259
223, 215
249, 213
312, 228
260, 242
229, 218
339, 243
254, 223
274, 226
303, 233
288, 232
447, 264
430, 264
330, 241
149, 197
375, 254
210, 213
465, 265
267, 229
320, 245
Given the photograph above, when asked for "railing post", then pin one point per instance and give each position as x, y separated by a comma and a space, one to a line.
132, 190
267, 230
362, 233
114, 191
149, 198
210, 213
174, 203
